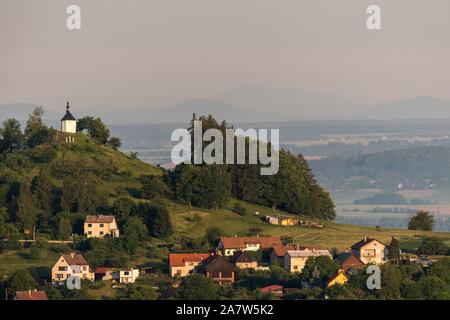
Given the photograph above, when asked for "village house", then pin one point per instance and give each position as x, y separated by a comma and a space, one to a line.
294, 260
370, 250
30, 295
242, 261
68, 265
274, 289
341, 278
277, 254
182, 264
218, 269
128, 276
229, 245
104, 274
349, 262
100, 226
282, 220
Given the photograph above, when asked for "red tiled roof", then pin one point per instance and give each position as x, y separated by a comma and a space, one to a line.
280, 251
99, 219
31, 295
179, 259
274, 287
241, 242
75, 259
103, 270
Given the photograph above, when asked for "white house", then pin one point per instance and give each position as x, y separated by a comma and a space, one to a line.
128, 276
295, 260
69, 125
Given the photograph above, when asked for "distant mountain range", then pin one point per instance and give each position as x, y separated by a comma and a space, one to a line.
414, 108
253, 104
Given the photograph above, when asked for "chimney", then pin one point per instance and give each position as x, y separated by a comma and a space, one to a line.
72, 254
29, 292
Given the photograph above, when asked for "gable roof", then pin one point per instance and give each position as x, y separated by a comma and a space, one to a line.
336, 276
241, 257
180, 259
103, 270
364, 242
218, 266
99, 219
75, 259
349, 260
31, 295
273, 287
241, 242
280, 251
308, 253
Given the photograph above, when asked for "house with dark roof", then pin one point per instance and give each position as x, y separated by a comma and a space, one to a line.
274, 289
71, 265
349, 262
370, 250
229, 245
219, 269
100, 226
30, 295
243, 261
182, 264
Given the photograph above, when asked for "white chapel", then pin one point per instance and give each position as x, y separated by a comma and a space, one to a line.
69, 125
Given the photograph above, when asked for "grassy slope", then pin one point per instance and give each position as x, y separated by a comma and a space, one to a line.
332, 235
125, 178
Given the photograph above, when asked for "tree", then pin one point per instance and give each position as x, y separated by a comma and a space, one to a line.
433, 288
319, 270
136, 292
390, 282
422, 221
36, 132
26, 214
197, 287
154, 186
394, 250
22, 280
212, 235
122, 209
115, 143
433, 246
79, 193
11, 138
134, 234
441, 270
42, 189
95, 128
64, 227
3, 217
157, 218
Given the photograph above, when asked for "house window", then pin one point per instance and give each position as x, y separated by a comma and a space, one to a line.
62, 268
295, 267
89, 232
102, 233
89, 225
126, 273
84, 268
101, 225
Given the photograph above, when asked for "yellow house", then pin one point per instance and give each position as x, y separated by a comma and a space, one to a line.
100, 226
370, 250
68, 265
182, 264
242, 261
341, 278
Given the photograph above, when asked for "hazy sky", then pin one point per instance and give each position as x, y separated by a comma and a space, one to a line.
157, 52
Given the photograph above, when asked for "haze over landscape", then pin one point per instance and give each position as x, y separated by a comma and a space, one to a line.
139, 61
